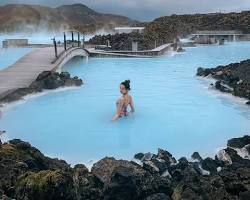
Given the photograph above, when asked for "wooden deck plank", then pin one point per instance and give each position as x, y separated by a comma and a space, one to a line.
26, 69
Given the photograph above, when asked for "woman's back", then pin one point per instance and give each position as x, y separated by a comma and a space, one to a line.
123, 102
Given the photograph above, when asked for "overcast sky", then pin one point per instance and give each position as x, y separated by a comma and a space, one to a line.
145, 10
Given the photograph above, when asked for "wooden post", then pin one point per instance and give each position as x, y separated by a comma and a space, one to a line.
72, 39
65, 41
55, 46
83, 40
175, 44
78, 39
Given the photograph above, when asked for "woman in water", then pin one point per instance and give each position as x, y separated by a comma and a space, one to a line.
123, 102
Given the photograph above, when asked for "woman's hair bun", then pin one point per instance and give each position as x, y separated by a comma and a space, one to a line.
126, 83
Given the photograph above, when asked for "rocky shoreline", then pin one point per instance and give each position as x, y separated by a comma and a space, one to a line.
25, 173
233, 78
47, 80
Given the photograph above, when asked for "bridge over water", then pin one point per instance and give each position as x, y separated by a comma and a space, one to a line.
26, 69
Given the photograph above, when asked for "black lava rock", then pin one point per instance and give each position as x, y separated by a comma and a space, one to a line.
239, 142
196, 156
46, 80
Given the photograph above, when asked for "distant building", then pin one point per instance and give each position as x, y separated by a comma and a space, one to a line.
128, 29
214, 36
15, 43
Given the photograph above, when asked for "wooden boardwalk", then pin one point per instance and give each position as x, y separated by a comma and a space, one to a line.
26, 69
158, 51
162, 47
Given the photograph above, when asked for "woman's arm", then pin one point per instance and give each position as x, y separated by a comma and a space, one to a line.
119, 109
132, 106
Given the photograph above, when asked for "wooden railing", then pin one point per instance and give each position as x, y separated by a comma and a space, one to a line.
68, 43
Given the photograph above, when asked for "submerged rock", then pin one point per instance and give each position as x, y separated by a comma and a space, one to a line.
46, 80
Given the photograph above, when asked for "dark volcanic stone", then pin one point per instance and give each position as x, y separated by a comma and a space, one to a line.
64, 75
244, 195
104, 167
166, 156
182, 163
233, 78
53, 82
158, 196
195, 186
239, 142
20, 144
45, 185
73, 82
236, 159
196, 156
134, 183
43, 75
236, 180
177, 174
123, 184
148, 156
197, 167
37, 86
203, 71
80, 168
222, 88
25, 173
180, 49
45, 80
151, 167
210, 165
87, 185
161, 165
248, 148
126, 180
139, 156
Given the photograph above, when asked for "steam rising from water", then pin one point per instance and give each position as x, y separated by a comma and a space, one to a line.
46, 36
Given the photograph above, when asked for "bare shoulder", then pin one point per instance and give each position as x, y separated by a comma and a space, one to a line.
121, 100
130, 98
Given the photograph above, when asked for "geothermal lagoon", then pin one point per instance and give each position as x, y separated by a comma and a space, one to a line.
175, 110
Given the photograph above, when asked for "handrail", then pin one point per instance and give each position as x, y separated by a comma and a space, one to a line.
72, 41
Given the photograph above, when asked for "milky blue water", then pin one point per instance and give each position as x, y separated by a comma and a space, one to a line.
175, 110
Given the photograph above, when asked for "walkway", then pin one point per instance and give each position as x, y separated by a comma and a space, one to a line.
25, 70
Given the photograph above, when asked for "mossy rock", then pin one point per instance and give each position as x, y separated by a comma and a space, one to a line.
8, 149
177, 194
45, 184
